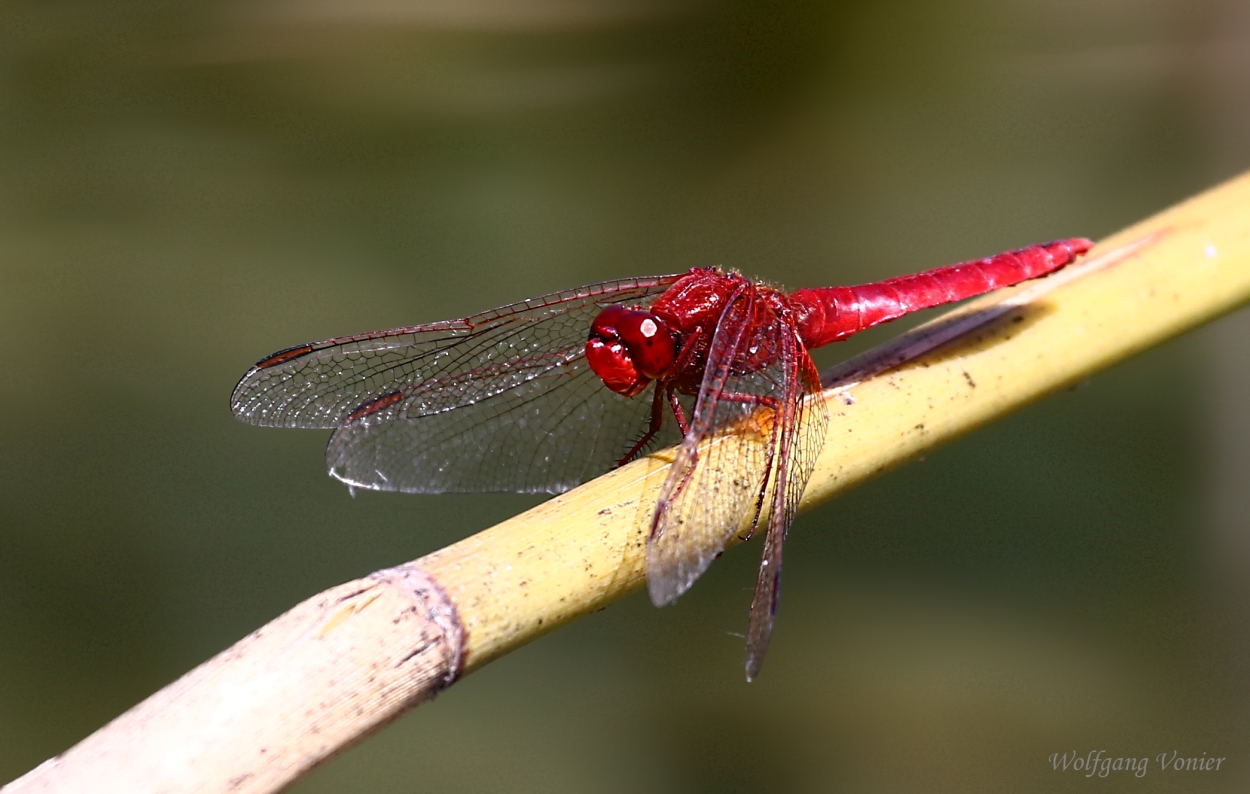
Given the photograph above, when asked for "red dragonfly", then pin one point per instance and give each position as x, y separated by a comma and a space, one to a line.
541, 395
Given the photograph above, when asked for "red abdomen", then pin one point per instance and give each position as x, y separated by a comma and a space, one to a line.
833, 313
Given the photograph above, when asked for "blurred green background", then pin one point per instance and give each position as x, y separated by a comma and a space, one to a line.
188, 185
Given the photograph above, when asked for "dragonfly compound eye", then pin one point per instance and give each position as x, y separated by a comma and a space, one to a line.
610, 357
649, 342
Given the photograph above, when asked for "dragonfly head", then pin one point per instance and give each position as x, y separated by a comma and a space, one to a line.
629, 348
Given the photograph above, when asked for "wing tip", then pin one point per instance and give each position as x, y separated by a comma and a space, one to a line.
238, 403
661, 593
753, 665
668, 579
245, 400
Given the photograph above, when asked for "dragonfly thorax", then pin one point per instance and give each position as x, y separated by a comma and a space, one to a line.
629, 348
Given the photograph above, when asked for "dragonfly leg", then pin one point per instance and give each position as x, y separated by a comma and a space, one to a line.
678, 412
759, 498
657, 421
686, 355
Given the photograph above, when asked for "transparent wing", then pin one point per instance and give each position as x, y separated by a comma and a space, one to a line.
544, 435
719, 475
802, 421
475, 391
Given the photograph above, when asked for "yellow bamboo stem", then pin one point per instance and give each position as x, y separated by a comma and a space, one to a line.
348, 660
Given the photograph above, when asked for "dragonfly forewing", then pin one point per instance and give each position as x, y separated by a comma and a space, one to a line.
434, 367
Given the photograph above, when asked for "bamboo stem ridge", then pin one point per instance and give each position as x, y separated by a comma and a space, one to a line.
348, 660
